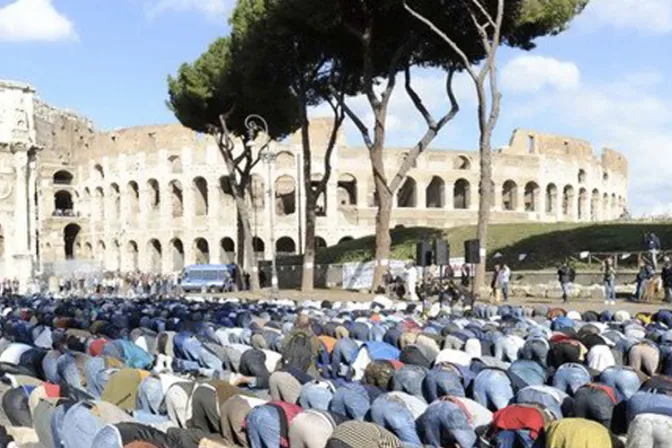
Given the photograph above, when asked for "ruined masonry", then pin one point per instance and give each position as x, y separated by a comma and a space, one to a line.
156, 198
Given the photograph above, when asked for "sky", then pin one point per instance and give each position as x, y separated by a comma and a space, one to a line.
603, 80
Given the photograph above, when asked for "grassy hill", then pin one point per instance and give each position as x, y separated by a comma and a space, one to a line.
546, 245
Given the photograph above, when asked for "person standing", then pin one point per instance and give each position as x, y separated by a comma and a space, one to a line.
565, 277
494, 285
643, 276
609, 273
411, 281
504, 277
666, 277
465, 276
653, 246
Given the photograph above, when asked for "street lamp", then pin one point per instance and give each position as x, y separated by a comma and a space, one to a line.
255, 124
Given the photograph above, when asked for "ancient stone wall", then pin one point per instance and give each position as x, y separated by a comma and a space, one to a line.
156, 197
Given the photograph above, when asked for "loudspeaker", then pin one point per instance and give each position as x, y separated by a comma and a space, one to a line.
423, 254
471, 252
441, 253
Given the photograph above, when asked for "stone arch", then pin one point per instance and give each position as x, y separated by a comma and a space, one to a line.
116, 200
225, 191
435, 195
99, 196
461, 194
115, 255
345, 239
63, 204
551, 199
285, 246
133, 197
531, 197
175, 164
581, 176
614, 206
285, 196
98, 173
70, 238
177, 249
606, 213
583, 204
132, 253
154, 256
101, 249
200, 186
63, 177
595, 205
227, 251
176, 199
509, 196
567, 200
461, 163
258, 191
407, 197
258, 245
605, 176
153, 194
201, 251
320, 196
86, 202
347, 190
284, 160
88, 251
320, 243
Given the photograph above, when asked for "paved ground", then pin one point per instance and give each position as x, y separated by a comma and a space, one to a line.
334, 295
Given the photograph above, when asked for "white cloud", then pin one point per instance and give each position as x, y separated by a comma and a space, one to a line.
529, 74
647, 16
405, 126
34, 20
215, 9
630, 115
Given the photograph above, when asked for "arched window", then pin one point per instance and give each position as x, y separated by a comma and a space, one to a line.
583, 204
461, 163
320, 243
63, 177
407, 197
582, 176
284, 160
99, 196
227, 251
595, 205
461, 194
70, 237
551, 199
176, 198
155, 255
132, 254
98, 173
509, 196
178, 254
531, 197
285, 246
116, 200
175, 164
201, 196
153, 194
567, 200
133, 197
345, 239
201, 251
285, 196
63, 205
347, 190
436, 193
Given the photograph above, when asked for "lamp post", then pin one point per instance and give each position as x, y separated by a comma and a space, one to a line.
254, 124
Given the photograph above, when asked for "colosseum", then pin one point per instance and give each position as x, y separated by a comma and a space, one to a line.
155, 198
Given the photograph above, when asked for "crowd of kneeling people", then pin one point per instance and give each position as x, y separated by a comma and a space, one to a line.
146, 373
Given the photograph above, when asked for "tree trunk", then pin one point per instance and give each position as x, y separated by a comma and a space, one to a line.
308, 273
250, 259
240, 253
383, 216
484, 205
308, 277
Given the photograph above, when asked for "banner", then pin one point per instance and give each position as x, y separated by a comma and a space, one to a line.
359, 275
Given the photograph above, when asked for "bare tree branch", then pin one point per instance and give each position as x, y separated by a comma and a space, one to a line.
358, 123
339, 117
454, 105
417, 101
485, 12
465, 60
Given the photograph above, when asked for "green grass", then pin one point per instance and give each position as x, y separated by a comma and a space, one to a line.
546, 245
